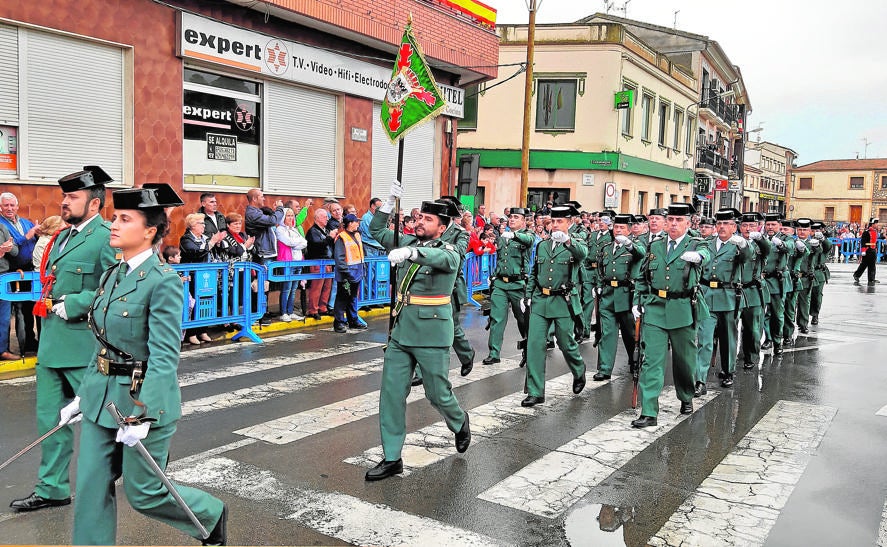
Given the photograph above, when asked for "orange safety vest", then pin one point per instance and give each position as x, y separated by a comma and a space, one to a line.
353, 247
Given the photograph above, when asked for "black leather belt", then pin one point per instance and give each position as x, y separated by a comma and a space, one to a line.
715, 284
511, 278
670, 295
774, 275
110, 368
751, 284
618, 282
554, 292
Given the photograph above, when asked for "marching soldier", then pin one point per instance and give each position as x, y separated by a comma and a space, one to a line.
721, 290
427, 268
509, 281
869, 246
778, 280
707, 228
552, 298
136, 321
754, 293
794, 268
820, 271
666, 297
619, 267
72, 265
597, 240
656, 220
807, 266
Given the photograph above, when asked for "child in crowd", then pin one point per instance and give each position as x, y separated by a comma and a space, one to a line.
173, 255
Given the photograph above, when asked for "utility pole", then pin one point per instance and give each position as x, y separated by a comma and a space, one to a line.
865, 153
532, 6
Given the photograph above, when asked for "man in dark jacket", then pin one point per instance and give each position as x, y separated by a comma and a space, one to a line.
320, 247
215, 221
349, 273
260, 222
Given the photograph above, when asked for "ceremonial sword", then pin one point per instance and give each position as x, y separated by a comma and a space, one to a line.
38, 441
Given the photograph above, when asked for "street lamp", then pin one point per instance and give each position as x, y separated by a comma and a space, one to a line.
532, 6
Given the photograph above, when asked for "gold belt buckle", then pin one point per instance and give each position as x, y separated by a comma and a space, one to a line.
546, 291
614, 283
713, 284
594, 264
103, 365
662, 294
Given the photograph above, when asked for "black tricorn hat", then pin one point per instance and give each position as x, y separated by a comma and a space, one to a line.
452, 208
787, 223
803, 223
92, 176
564, 211
623, 219
659, 211
455, 201
752, 216
574, 203
443, 208
728, 213
817, 225
640, 218
165, 193
519, 211
771, 217
706, 221
146, 198
607, 213
681, 209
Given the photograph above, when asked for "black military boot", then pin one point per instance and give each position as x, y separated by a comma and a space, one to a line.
814, 320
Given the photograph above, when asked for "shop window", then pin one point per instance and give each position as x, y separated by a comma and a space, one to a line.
829, 214
646, 116
555, 105
469, 121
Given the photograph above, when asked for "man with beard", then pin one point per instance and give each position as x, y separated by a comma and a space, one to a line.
423, 327
73, 263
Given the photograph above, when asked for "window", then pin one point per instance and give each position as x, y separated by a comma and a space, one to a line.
805, 183
469, 122
691, 130
883, 182
62, 100
829, 214
882, 216
857, 183
556, 105
642, 202
647, 116
628, 114
221, 118
678, 125
663, 122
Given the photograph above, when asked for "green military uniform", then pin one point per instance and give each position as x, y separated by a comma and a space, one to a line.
820, 272
458, 237
721, 290
553, 292
666, 293
140, 313
509, 286
596, 242
779, 285
422, 334
800, 254
77, 259
806, 282
619, 268
755, 298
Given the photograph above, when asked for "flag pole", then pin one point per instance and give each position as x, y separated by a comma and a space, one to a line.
392, 275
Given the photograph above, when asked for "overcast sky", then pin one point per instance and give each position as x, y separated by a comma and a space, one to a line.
814, 69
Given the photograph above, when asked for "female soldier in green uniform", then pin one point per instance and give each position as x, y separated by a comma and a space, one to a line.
137, 319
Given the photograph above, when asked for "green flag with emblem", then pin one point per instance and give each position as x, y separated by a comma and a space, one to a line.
413, 96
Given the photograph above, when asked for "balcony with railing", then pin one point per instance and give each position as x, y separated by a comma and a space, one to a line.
711, 160
726, 112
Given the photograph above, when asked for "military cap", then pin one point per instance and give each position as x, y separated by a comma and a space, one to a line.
752, 216
803, 223
772, 217
640, 218
787, 223
607, 213
658, 212
816, 225
91, 176
146, 198
564, 211
518, 211
454, 200
574, 203
452, 210
681, 209
873, 220
623, 219
706, 221
165, 193
728, 213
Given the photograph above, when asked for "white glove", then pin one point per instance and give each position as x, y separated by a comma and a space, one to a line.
799, 245
70, 413
625, 241
814, 243
754, 235
819, 236
131, 434
738, 240
778, 241
636, 311
525, 304
596, 291
507, 235
692, 257
59, 309
396, 256
395, 192
559, 237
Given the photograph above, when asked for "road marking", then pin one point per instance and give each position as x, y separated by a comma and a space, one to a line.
270, 363
882, 531
740, 501
24, 380
435, 442
882, 412
334, 514
189, 461
555, 482
234, 347
317, 420
271, 390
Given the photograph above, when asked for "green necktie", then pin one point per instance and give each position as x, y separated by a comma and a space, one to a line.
121, 272
671, 246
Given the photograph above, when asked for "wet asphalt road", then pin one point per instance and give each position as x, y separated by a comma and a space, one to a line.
836, 496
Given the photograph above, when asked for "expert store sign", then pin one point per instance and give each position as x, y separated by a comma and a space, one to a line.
212, 41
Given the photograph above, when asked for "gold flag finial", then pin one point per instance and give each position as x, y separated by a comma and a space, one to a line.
410, 19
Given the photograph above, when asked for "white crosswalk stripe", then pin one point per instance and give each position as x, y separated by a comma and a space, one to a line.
555, 482
435, 442
741, 499
337, 515
236, 347
882, 530
297, 426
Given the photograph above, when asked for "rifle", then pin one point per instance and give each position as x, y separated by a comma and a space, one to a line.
636, 361
522, 344
598, 332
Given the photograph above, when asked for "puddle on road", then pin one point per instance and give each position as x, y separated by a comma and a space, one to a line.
598, 525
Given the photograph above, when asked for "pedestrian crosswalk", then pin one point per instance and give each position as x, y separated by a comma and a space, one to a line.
738, 502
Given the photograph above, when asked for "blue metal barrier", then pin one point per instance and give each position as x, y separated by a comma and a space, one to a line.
852, 248
374, 289
477, 271
20, 286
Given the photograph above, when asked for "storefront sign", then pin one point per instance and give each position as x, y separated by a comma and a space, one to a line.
8, 150
624, 99
358, 134
721, 185
772, 197
208, 40
221, 147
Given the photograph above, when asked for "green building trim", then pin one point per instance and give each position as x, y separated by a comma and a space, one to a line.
582, 161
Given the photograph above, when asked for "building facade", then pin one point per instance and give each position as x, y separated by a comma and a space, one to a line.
774, 163
584, 145
751, 188
840, 190
226, 96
